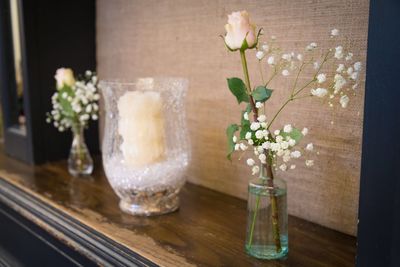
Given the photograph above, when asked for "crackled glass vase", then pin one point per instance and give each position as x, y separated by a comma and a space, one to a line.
145, 147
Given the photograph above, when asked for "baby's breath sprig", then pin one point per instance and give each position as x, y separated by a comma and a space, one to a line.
75, 102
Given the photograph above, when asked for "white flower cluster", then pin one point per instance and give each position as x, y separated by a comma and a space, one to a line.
278, 145
75, 105
346, 76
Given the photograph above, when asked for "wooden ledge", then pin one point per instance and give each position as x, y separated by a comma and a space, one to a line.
208, 229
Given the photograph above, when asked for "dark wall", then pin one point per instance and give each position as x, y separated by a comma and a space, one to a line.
379, 208
58, 34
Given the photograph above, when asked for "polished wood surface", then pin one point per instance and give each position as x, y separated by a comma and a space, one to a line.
207, 230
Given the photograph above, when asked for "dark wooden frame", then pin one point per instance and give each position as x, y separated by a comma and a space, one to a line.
379, 207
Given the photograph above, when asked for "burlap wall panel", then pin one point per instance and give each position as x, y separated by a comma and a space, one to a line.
181, 38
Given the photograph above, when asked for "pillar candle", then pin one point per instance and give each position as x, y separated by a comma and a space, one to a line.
141, 126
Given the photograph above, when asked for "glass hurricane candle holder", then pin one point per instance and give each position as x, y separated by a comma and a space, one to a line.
145, 146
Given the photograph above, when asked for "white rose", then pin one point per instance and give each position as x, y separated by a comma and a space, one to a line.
63, 77
238, 30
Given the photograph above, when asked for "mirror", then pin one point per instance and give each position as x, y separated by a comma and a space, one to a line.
19, 83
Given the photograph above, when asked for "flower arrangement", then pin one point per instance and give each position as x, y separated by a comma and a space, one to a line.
75, 103
334, 79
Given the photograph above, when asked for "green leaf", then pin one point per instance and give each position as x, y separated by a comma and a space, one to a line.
230, 131
65, 104
238, 89
295, 134
261, 93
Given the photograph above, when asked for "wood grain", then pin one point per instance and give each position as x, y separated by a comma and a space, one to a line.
207, 230
181, 38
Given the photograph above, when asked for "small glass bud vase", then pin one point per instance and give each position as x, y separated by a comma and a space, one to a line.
80, 162
267, 221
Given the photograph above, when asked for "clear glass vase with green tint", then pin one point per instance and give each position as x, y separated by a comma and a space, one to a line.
80, 162
267, 221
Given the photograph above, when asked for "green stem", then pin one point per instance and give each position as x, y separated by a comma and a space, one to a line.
248, 86
253, 223
279, 111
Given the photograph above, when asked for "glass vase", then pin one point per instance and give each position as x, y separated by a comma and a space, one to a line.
145, 146
80, 163
267, 221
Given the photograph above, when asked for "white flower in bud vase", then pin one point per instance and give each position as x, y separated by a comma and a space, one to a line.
260, 55
250, 142
339, 83
339, 52
334, 32
286, 157
285, 73
321, 78
344, 101
271, 60
293, 166
64, 77
340, 68
304, 131
259, 105
261, 118
255, 170
311, 46
349, 56
292, 142
310, 147
287, 57
234, 139
248, 135
250, 162
357, 66
285, 145
259, 134
246, 116
354, 76
309, 163
299, 57
240, 33
266, 145
262, 158
287, 128
295, 154
319, 92
349, 70
254, 126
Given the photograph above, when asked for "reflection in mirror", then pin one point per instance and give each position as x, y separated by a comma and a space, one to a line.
16, 38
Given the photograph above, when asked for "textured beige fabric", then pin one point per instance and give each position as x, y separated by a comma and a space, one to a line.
181, 38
